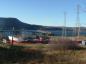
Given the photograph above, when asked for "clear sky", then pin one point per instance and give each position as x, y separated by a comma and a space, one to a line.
44, 12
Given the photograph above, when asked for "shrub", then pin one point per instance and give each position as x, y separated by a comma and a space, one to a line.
65, 44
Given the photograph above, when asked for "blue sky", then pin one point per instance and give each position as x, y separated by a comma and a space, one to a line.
44, 12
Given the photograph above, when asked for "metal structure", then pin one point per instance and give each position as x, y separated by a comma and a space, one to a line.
78, 21
12, 36
64, 26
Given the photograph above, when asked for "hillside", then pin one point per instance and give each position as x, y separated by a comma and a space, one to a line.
9, 23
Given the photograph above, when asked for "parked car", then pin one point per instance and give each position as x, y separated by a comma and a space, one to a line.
28, 39
36, 40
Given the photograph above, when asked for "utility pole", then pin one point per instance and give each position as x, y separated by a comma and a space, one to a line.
12, 35
64, 26
78, 21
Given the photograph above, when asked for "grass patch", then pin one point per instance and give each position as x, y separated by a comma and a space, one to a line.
22, 55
